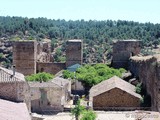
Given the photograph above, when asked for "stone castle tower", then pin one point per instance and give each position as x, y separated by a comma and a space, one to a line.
74, 52
123, 50
30, 57
24, 56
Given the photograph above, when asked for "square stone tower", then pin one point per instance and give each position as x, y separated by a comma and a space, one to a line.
24, 56
123, 50
74, 52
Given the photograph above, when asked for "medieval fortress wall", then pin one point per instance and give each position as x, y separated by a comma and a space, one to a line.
148, 75
74, 52
123, 50
30, 57
24, 56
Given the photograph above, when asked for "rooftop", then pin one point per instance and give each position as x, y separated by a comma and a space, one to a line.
73, 68
56, 82
6, 75
60, 81
13, 111
114, 82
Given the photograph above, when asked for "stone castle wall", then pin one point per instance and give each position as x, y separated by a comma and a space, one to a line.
52, 68
44, 51
30, 57
157, 89
74, 52
123, 50
146, 69
24, 56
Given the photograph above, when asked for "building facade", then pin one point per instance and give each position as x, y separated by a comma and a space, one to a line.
13, 87
50, 96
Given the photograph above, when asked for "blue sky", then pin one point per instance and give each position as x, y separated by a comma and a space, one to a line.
132, 10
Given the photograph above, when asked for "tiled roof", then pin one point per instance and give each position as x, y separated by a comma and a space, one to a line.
73, 68
114, 82
13, 111
7, 76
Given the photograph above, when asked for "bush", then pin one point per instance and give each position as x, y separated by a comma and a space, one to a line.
40, 77
88, 115
79, 111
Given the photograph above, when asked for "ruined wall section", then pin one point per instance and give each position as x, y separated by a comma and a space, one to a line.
147, 70
74, 54
44, 51
52, 68
158, 87
123, 50
24, 56
16, 91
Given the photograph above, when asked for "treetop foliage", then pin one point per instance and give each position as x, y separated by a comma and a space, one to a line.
40, 77
93, 74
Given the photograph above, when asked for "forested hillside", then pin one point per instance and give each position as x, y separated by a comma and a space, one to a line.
97, 35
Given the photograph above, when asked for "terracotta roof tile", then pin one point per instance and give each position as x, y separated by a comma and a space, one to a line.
7, 76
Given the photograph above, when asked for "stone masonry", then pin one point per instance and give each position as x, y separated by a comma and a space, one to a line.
13, 87
24, 56
123, 50
147, 69
74, 52
31, 57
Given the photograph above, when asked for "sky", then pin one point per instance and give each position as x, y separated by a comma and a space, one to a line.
131, 10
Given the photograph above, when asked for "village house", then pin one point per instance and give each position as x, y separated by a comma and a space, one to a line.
114, 93
13, 87
14, 96
50, 96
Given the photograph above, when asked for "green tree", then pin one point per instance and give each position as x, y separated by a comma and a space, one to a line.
93, 74
41, 77
77, 110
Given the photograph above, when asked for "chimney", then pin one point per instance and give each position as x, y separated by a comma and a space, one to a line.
14, 70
